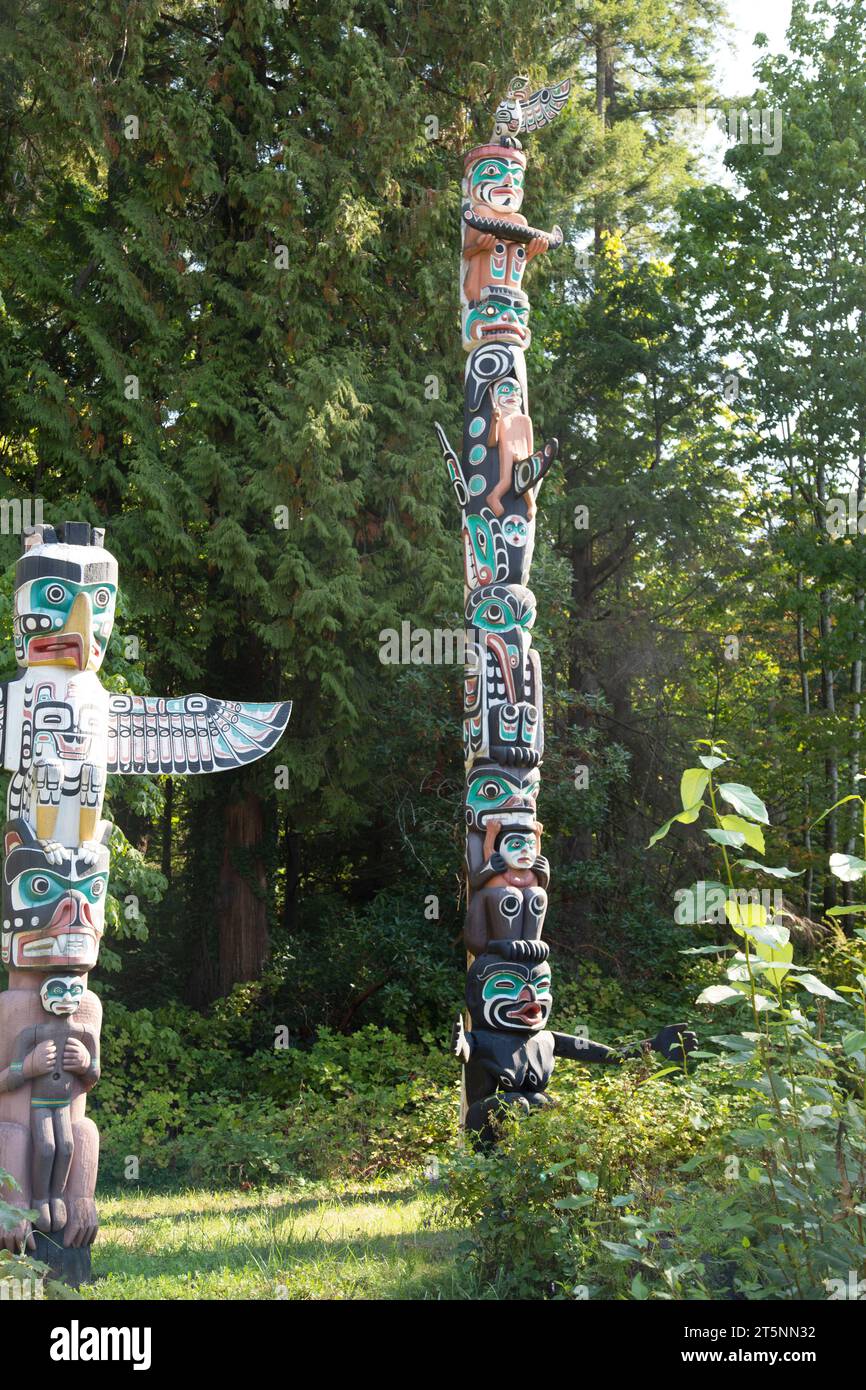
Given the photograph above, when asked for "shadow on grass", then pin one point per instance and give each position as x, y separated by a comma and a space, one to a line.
282, 1249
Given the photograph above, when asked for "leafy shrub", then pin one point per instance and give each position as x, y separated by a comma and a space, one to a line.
190, 1099
561, 1180
746, 1179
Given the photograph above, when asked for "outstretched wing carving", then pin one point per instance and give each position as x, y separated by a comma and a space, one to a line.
190, 734
540, 108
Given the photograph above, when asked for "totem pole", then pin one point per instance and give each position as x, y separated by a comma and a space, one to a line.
507, 1055
61, 732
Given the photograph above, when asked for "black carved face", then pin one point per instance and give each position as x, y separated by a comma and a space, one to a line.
507, 997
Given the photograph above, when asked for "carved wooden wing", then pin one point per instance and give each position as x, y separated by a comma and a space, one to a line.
190, 734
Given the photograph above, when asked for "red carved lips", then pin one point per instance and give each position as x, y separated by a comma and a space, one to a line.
529, 1013
67, 647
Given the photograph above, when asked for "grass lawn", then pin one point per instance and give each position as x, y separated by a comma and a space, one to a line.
375, 1240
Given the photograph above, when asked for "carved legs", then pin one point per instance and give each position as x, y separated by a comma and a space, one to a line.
504, 914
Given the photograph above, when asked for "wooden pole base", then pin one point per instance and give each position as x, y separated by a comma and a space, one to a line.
71, 1265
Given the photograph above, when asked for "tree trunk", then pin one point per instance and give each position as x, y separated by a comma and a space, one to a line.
242, 905
828, 700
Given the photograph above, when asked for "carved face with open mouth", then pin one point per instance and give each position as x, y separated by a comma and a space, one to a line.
65, 597
499, 316
53, 915
509, 998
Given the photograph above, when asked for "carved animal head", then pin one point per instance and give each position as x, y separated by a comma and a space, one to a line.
65, 595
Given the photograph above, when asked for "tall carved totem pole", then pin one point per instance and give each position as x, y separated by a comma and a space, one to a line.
508, 1055
60, 734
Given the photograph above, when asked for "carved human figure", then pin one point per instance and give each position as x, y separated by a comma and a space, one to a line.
60, 1060
508, 877
509, 1054
493, 195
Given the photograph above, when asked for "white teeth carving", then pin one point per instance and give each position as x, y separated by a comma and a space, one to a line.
70, 944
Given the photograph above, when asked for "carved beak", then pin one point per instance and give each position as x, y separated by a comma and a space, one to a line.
80, 624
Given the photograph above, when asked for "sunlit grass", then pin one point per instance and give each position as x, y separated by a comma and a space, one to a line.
369, 1241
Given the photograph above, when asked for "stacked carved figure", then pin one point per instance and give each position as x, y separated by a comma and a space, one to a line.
61, 733
507, 1052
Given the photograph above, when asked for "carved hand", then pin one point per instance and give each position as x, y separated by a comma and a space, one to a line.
459, 1042
519, 950
76, 1058
674, 1041
42, 1059
82, 1222
18, 1236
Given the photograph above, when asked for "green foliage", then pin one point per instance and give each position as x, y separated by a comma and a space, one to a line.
22, 1276
746, 1178
192, 1099
564, 1181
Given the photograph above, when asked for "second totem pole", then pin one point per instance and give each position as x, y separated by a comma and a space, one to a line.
507, 1052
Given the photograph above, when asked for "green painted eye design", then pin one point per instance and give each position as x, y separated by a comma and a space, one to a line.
503, 983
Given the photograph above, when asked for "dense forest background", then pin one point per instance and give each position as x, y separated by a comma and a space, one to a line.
228, 266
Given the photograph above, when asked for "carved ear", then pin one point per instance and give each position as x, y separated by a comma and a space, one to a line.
11, 840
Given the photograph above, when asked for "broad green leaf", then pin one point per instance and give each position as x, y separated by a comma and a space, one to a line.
770, 935
735, 838
766, 869
702, 902
711, 762
846, 910
752, 833
621, 1251
693, 784
816, 986
687, 817
717, 994
574, 1203
744, 801
847, 867
779, 956
854, 1042
745, 914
